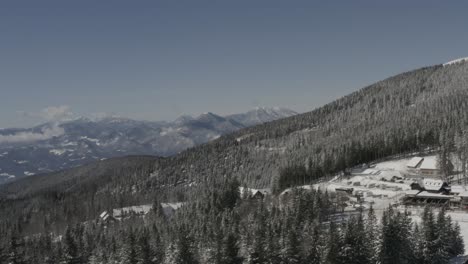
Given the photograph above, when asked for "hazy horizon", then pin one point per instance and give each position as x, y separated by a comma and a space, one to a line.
152, 60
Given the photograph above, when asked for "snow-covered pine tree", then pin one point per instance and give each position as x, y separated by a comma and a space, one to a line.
185, 253
397, 246
457, 246
231, 250
70, 252
145, 252
257, 251
314, 253
334, 244
356, 249
128, 253
15, 251
373, 234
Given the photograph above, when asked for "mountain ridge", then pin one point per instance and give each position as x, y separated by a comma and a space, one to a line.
406, 113
56, 146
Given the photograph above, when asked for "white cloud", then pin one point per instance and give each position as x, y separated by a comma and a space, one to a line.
52, 113
23, 137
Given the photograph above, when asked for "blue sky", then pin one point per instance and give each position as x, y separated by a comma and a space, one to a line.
156, 60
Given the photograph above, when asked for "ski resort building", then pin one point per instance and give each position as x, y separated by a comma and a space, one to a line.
414, 163
464, 199
429, 166
119, 214
254, 193
457, 189
105, 217
425, 166
435, 186
430, 191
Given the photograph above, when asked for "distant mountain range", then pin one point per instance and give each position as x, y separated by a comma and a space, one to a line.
51, 147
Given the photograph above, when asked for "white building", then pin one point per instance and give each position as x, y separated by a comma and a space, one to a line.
429, 166
414, 162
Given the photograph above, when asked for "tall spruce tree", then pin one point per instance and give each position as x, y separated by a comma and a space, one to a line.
373, 233
334, 245
15, 251
145, 252
257, 251
71, 254
185, 247
396, 238
231, 250
356, 249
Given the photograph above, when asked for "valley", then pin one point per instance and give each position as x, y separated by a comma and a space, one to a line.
344, 172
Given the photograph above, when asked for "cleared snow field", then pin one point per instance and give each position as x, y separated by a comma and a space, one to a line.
397, 165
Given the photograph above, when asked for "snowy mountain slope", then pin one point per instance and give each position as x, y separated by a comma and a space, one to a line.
50, 147
261, 115
406, 113
460, 60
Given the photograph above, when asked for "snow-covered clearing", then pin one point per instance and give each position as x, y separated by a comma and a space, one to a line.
386, 183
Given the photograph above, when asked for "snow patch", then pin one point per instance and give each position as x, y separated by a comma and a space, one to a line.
67, 143
57, 152
96, 141
460, 60
9, 176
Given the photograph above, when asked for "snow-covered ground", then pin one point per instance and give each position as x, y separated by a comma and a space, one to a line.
394, 165
456, 61
386, 183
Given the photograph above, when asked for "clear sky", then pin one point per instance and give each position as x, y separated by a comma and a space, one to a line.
156, 60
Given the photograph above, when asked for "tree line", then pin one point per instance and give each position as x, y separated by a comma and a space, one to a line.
221, 227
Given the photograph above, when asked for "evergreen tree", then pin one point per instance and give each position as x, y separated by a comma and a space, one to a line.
457, 245
334, 244
185, 248
145, 252
273, 250
231, 250
434, 250
217, 254
257, 252
158, 246
373, 233
71, 254
15, 251
157, 210
128, 254
313, 255
356, 249
292, 251
396, 238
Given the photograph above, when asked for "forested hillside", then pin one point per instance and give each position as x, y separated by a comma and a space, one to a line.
408, 112
413, 111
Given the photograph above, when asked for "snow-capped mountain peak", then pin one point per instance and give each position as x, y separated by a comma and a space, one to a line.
56, 146
262, 115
